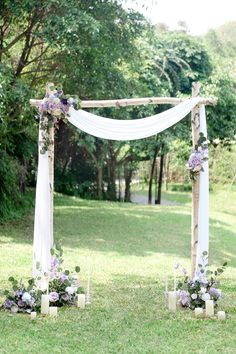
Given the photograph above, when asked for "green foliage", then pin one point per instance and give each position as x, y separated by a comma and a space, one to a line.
222, 117
96, 50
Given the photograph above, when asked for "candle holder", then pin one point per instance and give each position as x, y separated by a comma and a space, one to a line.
88, 298
172, 300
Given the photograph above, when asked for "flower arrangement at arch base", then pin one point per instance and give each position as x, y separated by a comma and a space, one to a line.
61, 285
193, 293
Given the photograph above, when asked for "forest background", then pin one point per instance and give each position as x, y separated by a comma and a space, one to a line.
99, 50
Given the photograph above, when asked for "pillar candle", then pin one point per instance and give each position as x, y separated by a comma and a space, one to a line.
53, 311
81, 301
33, 315
44, 304
221, 315
198, 312
87, 295
209, 308
172, 300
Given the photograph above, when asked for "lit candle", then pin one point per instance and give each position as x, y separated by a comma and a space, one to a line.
87, 296
44, 304
209, 308
53, 311
81, 301
198, 312
221, 315
33, 315
172, 300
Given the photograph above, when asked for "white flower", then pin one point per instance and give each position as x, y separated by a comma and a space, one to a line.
26, 297
71, 290
194, 296
203, 290
71, 100
206, 297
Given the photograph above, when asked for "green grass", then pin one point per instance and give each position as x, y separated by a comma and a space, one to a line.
131, 248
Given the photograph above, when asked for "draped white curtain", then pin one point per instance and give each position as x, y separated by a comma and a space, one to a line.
43, 238
114, 130
203, 212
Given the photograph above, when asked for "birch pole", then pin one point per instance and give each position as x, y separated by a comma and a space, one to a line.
195, 184
51, 175
51, 164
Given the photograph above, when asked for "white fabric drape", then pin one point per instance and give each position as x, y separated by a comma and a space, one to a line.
114, 129
43, 239
203, 212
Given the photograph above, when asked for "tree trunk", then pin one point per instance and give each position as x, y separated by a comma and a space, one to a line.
151, 176
167, 173
158, 200
111, 188
119, 190
99, 181
156, 176
128, 179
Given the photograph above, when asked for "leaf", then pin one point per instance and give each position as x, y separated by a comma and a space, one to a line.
225, 264
220, 270
66, 272
37, 265
58, 247
77, 269
204, 253
11, 279
52, 251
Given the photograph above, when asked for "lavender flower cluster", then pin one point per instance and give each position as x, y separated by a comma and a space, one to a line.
63, 286
195, 162
55, 104
197, 157
195, 292
21, 298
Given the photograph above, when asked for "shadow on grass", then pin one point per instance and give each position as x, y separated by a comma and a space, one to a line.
125, 229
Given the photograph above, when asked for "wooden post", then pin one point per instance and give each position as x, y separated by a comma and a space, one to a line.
51, 175
195, 184
49, 90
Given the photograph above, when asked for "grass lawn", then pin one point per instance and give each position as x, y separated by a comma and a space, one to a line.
130, 248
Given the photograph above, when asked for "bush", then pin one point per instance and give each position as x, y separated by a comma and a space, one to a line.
12, 177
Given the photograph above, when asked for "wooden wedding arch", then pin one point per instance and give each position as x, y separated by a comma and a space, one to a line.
136, 102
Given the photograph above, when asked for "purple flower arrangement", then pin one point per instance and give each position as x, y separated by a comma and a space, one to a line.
56, 104
53, 109
197, 157
195, 292
21, 298
63, 287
